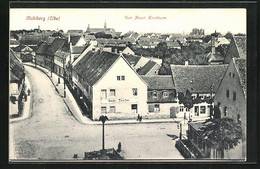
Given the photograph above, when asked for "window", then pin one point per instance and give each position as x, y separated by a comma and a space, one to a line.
134, 91
234, 96
165, 94
112, 109
103, 94
230, 74
225, 111
123, 77
227, 93
196, 110
202, 110
134, 108
154, 94
187, 109
112, 92
151, 108
181, 108
238, 119
156, 108
118, 77
103, 110
233, 75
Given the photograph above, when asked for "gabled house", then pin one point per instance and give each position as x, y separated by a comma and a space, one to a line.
107, 91
231, 99
237, 49
132, 60
173, 44
77, 40
150, 68
41, 53
202, 81
161, 96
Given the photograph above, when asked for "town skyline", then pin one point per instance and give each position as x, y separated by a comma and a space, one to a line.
137, 20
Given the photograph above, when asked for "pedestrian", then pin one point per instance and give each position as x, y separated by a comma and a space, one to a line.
119, 147
138, 117
29, 92
141, 118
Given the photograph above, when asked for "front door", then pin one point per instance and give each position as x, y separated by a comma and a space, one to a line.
134, 108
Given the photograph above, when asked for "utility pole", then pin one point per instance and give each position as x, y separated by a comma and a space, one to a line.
64, 78
103, 119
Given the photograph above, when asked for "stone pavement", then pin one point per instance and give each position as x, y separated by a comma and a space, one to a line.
73, 107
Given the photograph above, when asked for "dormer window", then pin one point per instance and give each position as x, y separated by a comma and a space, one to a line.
154, 94
165, 94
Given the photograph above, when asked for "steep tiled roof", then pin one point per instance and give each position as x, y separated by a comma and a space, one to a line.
147, 67
197, 79
30, 40
55, 45
240, 65
240, 42
74, 39
132, 59
158, 82
78, 49
16, 67
94, 65
43, 46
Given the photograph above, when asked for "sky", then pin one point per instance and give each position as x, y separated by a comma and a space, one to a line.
122, 20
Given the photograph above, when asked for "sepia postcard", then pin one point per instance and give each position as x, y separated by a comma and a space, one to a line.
127, 84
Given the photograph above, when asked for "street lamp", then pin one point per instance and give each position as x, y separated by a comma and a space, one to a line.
103, 119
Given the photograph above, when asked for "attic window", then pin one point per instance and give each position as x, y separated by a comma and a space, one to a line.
191, 82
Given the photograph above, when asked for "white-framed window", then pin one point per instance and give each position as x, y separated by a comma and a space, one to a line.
165, 94
202, 109
122, 77
112, 109
112, 92
134, 108
134, 91
181, 108
103, 94
118, 78
234, 96
103, 110
157, 108
154, 94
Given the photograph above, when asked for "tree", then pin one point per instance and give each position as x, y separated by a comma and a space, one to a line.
221, 133
186, 100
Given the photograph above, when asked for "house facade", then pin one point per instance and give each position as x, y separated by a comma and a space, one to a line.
231, 100
161, 96
202, 82
107, 91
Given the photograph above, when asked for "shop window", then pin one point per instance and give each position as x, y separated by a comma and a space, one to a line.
181, 108
202, 109
234, 96
103, 110
112, 92
103, 94
156, 108
134, 91
154, 94
112, 109
227, 93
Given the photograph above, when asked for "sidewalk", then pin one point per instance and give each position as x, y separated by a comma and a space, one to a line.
75, 111
27, 104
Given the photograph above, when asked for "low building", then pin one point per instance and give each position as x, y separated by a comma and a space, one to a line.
202, 81
161, 96
231, 98
16, 79
105, 90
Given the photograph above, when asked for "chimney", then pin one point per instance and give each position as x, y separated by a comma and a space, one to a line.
186, 63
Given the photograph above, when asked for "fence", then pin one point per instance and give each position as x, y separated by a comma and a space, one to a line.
184, 150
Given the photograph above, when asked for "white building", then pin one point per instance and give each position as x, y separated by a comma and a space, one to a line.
108, 91
202, 81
